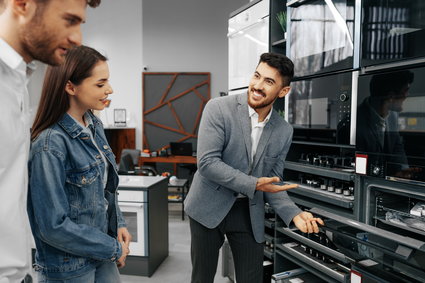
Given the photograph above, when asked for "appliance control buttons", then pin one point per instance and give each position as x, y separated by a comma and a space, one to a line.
376, 170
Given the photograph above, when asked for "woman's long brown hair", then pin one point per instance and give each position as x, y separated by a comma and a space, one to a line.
54, 101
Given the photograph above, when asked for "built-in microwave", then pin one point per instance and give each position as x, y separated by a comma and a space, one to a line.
319, 109
392, 30
390, 128
321, 35
248, 38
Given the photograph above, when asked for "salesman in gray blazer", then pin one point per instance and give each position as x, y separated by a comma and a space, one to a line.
242, 147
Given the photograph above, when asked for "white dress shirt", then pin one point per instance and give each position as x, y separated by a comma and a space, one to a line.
14, 148
256, 129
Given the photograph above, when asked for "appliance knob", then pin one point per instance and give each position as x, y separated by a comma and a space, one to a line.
343, 97
376, 170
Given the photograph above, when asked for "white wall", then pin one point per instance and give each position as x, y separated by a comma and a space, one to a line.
188, 36
115, 29
164, 35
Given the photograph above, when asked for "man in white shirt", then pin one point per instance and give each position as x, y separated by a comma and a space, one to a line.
29, 30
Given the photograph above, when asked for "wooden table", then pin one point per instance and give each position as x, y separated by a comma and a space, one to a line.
175, 159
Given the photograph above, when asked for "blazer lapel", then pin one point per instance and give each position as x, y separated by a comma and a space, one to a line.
245, 123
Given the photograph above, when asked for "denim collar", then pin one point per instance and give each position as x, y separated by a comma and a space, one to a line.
73, 128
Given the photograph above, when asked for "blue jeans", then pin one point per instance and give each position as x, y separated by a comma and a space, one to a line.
104, 273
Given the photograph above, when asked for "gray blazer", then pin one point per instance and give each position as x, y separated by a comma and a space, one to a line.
225, 170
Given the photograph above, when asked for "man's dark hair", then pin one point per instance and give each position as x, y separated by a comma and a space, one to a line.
383, 84
280, 62
91, 3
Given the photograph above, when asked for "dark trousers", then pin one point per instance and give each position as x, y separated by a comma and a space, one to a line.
247, 253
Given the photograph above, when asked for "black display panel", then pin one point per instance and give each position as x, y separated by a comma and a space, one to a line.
322, 36
392, 30
319, 108
390, 126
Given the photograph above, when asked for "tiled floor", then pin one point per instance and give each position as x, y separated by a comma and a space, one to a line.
177, 267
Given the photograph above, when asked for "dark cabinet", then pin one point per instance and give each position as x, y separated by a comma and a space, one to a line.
120, 138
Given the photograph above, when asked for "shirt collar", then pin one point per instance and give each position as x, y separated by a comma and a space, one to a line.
252, 113
15, 61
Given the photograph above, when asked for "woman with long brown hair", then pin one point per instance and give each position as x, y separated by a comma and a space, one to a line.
78, 228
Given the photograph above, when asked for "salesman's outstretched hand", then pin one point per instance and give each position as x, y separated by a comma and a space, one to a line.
266, 184
307, 223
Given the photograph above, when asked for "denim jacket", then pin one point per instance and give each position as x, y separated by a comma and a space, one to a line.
74, 218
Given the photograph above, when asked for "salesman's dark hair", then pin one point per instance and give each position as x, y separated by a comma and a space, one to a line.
91, 3
282, 63
384, 85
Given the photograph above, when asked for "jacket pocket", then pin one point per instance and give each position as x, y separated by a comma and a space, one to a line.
84, 178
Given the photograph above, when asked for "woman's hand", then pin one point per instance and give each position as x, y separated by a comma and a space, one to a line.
124, 237
125, 251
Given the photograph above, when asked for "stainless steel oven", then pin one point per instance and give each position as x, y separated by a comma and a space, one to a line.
134, 207
321, 35
248, 38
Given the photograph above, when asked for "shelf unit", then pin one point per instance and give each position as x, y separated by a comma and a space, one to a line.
277, 42
178, 188
357, 206
277, 34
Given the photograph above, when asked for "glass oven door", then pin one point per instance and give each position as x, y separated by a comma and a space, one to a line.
322, 36
248, 38
135, 214
391, 124
319, 109
392, 30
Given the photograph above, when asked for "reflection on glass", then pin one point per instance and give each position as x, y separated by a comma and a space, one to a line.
392, 30
391, 122
131, 220
322, 36
317, 107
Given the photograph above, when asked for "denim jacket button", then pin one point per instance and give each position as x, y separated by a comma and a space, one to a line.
105, 147
83, 180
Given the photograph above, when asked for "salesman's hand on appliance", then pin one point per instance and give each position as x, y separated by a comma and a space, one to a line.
124, 237
266, 184
307, 223
125, 252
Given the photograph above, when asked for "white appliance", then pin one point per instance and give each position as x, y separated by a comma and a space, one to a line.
134, 207
248, 38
